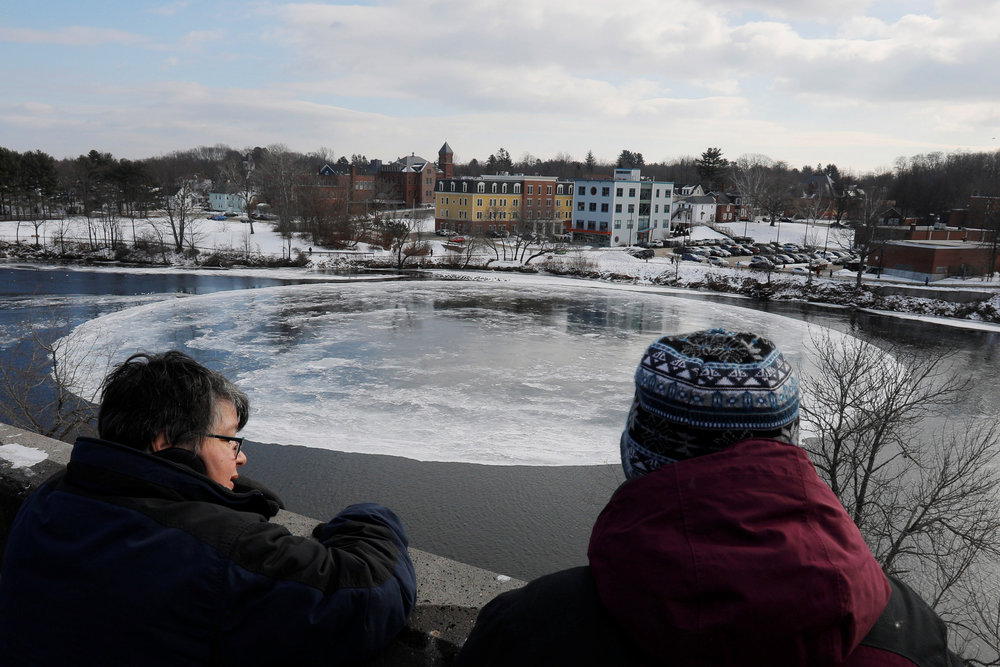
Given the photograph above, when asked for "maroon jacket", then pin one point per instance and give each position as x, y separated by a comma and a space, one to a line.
744, 557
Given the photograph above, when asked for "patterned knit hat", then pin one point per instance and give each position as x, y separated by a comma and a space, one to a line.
701, 392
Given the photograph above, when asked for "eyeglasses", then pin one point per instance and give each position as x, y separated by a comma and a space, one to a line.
229, 438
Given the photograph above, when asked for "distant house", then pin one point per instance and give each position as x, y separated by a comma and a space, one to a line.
689, 190
694, 210
230, 202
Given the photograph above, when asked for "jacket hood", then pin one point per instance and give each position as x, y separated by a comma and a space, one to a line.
744, 557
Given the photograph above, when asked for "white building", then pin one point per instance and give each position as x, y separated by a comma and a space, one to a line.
695, 210
226, 202
621, 211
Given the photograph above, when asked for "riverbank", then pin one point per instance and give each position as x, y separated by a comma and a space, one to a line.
228, 246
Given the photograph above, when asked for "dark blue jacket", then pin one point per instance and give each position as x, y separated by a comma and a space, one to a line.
127, 558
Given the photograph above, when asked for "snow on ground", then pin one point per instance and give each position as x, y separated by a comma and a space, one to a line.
231, 234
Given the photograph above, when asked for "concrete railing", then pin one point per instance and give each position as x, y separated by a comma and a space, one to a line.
449, 593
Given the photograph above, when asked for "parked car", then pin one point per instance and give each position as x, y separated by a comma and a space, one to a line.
458, 239
692, 258
445, 232
717, 261
641, 253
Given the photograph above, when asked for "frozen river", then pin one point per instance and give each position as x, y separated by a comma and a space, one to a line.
434, 371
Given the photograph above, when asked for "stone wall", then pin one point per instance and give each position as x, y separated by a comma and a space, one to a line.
449, 593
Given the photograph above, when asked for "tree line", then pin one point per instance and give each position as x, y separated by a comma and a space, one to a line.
107, 190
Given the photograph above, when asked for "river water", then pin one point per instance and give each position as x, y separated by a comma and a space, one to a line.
486, 414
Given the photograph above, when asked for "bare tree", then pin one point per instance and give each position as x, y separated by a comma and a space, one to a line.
40, 380
868, 241
924, 493
402, 236
179, 205
749, 174
238, 173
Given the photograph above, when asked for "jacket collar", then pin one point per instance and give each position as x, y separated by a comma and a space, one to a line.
106, 467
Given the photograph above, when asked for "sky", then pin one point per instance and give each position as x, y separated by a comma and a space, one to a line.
855, 83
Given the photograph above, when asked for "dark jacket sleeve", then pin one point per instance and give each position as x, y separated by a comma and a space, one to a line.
338, 598
910, 629
557, 619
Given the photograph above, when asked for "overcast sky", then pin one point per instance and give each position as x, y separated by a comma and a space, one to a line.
849, 82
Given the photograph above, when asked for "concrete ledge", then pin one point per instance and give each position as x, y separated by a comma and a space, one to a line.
449, 593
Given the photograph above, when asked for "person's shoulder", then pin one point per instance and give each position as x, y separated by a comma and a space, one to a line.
555, 619
909, 632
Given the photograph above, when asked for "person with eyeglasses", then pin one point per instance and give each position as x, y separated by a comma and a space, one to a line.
150, 548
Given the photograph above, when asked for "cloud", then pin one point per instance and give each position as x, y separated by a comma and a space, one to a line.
69, 36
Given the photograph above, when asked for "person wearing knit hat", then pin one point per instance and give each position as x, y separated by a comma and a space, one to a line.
723, 547
701, 392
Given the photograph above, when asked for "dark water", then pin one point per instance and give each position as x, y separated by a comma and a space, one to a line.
518, 520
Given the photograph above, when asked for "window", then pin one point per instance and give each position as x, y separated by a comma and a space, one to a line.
480, 187
582, 190
504, 188
604, 227
559, 202
493, 202
604, 208
631, 208
631, 192
531, 190
494, 188
465, 187
559, 189
479, 202
593, 206
503, 202
618, 192
593, 190
548, 189
618, 224
618, 208
657, 193
656, 208
579, 206
517, 188
605, 191
479, 215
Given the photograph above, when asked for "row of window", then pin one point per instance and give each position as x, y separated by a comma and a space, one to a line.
516, 188
464, 201
619, 192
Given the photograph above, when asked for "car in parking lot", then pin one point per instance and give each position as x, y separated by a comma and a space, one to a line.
641, 253
692, 257
717, 261
760, 263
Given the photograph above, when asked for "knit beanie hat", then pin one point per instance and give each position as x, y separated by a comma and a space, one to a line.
701, 392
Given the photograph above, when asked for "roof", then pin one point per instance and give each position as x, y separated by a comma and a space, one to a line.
411, 163
446, 149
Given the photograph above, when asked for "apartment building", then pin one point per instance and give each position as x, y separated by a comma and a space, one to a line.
503, 203
622, 210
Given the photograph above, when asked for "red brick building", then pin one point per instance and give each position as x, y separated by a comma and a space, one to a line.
934, 260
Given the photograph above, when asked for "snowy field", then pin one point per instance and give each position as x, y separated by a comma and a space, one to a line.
233, 235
